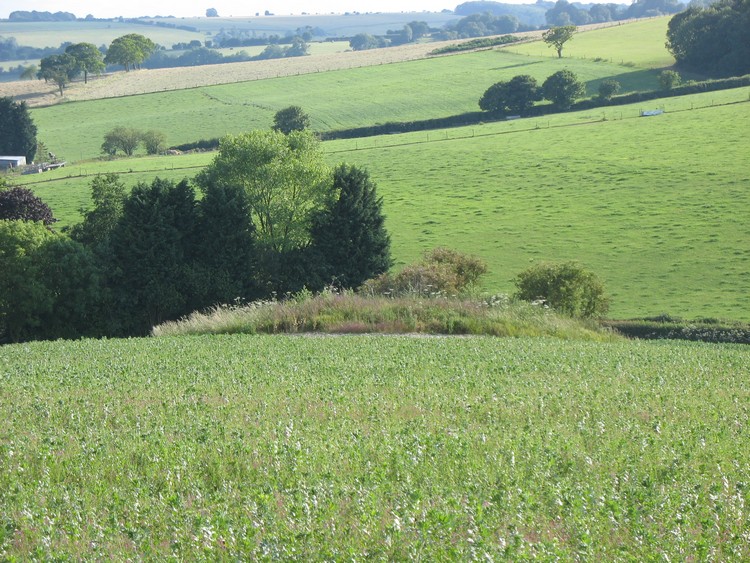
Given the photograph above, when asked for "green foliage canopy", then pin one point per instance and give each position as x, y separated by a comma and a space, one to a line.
349, 238
87, 59
17, 129
130, 51
557, 37
517, 95
292, 118
566, 287
712, 40
285, 178
562, 88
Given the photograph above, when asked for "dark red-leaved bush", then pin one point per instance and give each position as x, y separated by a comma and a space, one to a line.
21, 204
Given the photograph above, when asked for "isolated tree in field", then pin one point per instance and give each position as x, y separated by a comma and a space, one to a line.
557, 37
17, 129
154, 141
291, 119
59, 69
608, 88
30, 72
20, 204
212, 13
123, 139
88, 58
563, 88
129, 51
566, 287
349, 240
286, 180
516, 96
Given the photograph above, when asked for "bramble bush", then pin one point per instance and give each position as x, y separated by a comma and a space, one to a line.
566, 287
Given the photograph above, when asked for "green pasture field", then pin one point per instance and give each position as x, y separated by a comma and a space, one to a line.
639, 44
650, 204
52, 34
637, 200
374, 447
341, 99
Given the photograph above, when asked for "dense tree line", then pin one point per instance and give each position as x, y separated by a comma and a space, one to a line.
267, 217
713, 40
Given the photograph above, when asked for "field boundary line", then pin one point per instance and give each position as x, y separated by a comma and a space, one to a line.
526, 130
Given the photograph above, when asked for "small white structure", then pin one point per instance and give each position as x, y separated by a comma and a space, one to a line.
12, 162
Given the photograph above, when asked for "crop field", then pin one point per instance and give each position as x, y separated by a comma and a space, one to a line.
637, 43
637, 200
363, 96
388, 448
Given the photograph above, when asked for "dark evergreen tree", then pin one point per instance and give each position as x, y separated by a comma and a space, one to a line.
225, 246
17, 130
152, 255
349, 240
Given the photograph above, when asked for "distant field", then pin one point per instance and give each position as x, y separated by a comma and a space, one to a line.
335, 99
336, 25
52, 34
637, 200
373, 448
639, 43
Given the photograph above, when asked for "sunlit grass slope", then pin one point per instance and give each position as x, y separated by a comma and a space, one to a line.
639, 44
384, 448
652, 205
421, 89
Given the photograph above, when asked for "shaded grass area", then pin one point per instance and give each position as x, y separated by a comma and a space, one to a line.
350, 313
373, 447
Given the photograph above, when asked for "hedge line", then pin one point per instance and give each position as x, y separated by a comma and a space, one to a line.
477, 117
701, 331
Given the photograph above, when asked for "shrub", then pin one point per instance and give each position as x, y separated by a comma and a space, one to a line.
20, 204
442, 272
154, 141
123, 139
291, 119
669, 79
608, 88
566, 287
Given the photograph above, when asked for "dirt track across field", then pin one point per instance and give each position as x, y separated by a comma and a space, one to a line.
37, 93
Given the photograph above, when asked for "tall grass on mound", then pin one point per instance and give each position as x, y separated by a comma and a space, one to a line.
350, 313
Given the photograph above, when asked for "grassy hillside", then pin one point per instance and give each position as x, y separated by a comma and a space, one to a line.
638, 43
637, 200
388, 448
363, 96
